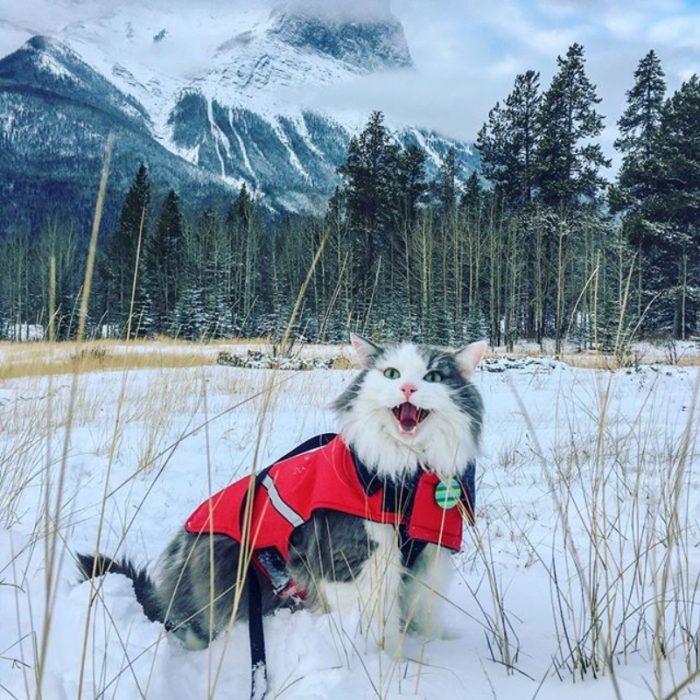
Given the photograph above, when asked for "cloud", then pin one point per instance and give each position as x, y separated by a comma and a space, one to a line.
680, 31
467, 55
357, 10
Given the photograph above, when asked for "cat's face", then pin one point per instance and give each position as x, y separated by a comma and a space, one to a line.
412, 405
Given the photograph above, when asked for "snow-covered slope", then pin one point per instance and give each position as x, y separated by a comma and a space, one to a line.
50, 66
223, 85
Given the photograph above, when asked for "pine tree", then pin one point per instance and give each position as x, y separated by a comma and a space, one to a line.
675, 208
522, 107
411, 184
492, 144
370, 176
213, 263
507, 141
162, 264
445, 185
119, 264
242, 228
567, 159
372, 206
637, 180
241, 210
472, 194
639, 124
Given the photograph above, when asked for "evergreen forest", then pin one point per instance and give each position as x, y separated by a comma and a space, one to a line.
537, 245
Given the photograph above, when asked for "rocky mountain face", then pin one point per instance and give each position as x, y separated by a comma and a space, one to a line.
208, 100
368, 45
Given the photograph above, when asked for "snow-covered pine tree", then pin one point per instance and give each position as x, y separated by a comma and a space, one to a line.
372, 205
637, 180
243, 236
336, 302
411, 184
213, 260
492, 144
676, 207
445, 185
507, 141
639, 123
567, 157
522, 107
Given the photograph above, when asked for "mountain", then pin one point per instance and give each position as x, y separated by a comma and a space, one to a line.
210, 95
55, 115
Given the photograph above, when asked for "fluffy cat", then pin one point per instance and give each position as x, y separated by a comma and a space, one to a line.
411, 408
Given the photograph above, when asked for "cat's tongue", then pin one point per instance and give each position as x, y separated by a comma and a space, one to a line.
408, 416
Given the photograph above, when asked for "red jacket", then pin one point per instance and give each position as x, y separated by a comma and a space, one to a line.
324, 474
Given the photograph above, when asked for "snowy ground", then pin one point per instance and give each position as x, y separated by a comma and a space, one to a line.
579, 580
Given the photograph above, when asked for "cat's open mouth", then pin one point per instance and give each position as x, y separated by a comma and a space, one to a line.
409, 416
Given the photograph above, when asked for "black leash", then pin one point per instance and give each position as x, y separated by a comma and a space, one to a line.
256, 634
258, 662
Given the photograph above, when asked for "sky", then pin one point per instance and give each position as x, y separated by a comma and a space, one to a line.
468, 52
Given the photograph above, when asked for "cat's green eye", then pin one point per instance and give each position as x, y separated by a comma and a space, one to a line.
392, 373
433, 376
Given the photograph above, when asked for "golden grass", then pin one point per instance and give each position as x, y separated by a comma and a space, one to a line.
602, 361
343, 362
44, 359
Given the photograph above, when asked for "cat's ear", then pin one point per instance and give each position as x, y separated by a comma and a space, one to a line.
469, 357
365, 350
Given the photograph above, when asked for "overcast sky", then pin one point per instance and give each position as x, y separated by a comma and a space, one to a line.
467, 53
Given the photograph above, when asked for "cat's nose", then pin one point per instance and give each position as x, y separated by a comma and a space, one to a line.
408, 389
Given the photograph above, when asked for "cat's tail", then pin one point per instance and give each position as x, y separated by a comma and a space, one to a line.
90, 566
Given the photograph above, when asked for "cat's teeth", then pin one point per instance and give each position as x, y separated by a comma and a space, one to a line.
409, 416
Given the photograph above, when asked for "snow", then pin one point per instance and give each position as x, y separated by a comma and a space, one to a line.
147, 446
50, 64
244, 152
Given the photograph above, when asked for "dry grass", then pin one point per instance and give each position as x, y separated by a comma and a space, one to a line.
44, 359
610, 362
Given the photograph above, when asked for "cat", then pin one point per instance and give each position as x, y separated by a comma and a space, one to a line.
411, 409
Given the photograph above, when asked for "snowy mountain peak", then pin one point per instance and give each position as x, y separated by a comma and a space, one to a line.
48, 64
49, 60
368, 42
